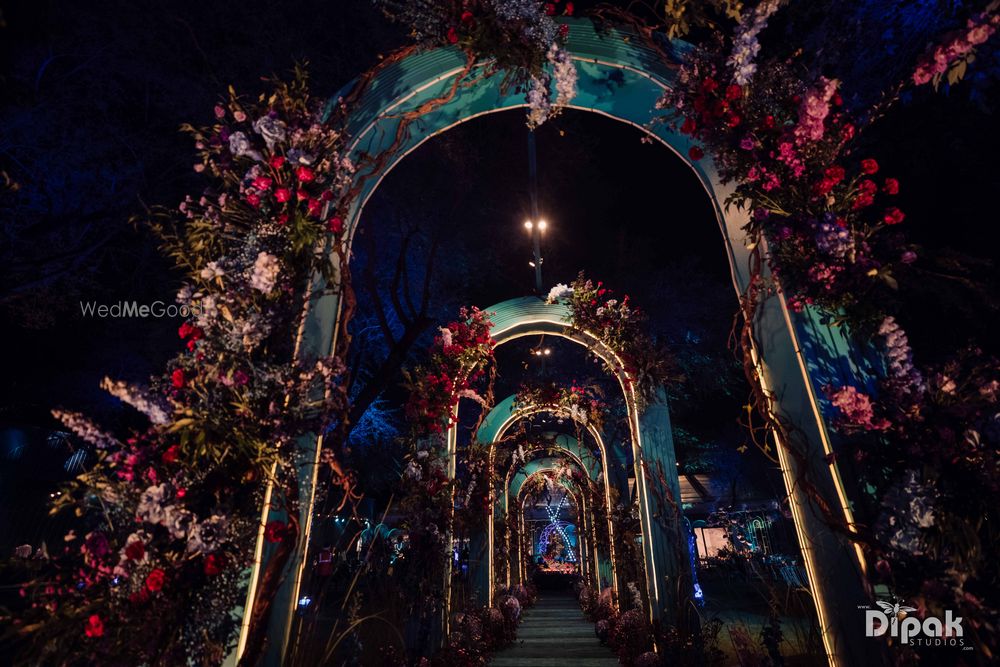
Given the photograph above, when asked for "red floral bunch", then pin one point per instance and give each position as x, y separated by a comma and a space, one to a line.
787, 143
459, 355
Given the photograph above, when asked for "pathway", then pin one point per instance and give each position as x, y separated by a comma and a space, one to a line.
555, 633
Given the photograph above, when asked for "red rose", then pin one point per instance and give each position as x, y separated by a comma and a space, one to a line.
769, 122
276, 161
313, 207
709, 84
733, 92
550, 9
135, 550
834, 173
867, 187
452, 36
262, 183
177, 378
847, 132
274, 531
170, 455
863, 200
94, 627
695, 153
689, 126
335, 225
824, 187
305, 174
253, 199
733, 120
155, 580
467, 17
185, 330
214, 564
282, 194
569, 9
893, 216
891, 186
869, 166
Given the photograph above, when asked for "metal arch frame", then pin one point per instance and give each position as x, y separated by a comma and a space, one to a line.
519, 503
529, 316
519, 412
508, 481
621, 79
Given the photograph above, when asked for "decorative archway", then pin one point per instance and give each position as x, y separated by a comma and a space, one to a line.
620, 78
566, 447
497, 423
651, 440
519, 499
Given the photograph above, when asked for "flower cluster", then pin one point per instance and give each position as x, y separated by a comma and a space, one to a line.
169, 515
581, 402
786, 142
599, 313
951, 57
460, 353
540, 105
745, 44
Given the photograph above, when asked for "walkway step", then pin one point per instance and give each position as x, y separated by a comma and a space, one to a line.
555, 633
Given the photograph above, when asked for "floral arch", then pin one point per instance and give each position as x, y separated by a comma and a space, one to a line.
622, 79
650, 434
494, 428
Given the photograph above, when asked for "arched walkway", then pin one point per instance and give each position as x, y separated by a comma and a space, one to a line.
619, 78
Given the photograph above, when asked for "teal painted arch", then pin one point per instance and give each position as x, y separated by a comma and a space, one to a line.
621, 79
538, 466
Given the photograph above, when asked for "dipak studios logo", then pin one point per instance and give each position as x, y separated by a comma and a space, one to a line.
893, 620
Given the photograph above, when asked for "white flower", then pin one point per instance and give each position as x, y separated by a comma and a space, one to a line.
560, 291
138, 398
207, 535
239, 145
150, 507
212, 270
85, 429
271, 129
446, 339
265, 272
177, 520
413, 471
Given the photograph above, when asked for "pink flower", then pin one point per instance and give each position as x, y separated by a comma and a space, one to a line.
305, 174
695, 153
262, 183
219, 111
282, 195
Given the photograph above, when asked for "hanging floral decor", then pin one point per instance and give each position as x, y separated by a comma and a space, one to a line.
169, 515
582, 402
923, 442
517, 37
461, 354
596, 311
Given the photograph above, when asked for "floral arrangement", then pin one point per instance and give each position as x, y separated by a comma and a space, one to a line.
517, 37
597, 311
949, 60
582, 402
167, 519
923, 442
459, 356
